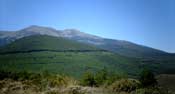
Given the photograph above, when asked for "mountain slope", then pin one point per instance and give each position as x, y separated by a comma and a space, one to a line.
44, 42
124, 48
59, 55
130, 49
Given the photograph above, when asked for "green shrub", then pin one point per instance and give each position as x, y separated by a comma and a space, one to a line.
101, 77
88, 79
147, 78
125, 85
112, 77
106, 78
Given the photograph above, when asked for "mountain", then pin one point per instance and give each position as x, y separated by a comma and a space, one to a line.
59, 55
38, 30
121, 47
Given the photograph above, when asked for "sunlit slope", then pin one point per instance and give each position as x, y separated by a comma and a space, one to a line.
44, 42
38, 53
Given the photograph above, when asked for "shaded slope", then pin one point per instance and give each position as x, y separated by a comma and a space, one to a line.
130, 49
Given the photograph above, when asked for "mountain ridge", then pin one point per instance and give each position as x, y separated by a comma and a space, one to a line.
45, 43
121, 47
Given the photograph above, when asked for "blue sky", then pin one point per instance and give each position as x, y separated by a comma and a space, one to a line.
146, 22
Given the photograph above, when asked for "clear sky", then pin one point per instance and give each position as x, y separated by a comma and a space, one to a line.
146, 22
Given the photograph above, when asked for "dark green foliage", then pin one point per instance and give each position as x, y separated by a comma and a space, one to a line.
113, 76
147, 78
18, 75
45, 74
100, 78
106, 77
70, 63
88, 79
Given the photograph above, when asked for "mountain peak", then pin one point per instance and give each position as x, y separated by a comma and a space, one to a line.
70, 33
38, 28
34, 26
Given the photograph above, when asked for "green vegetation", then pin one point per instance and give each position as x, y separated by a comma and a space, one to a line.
101, 78
147, 78
43, 42
47, 83
42, 80
70, 63
72, 66
59, 55
88, 80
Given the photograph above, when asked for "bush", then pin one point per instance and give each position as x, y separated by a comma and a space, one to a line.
106, 78
147, 78
88, 79
125, 85
101, 77
112, 77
